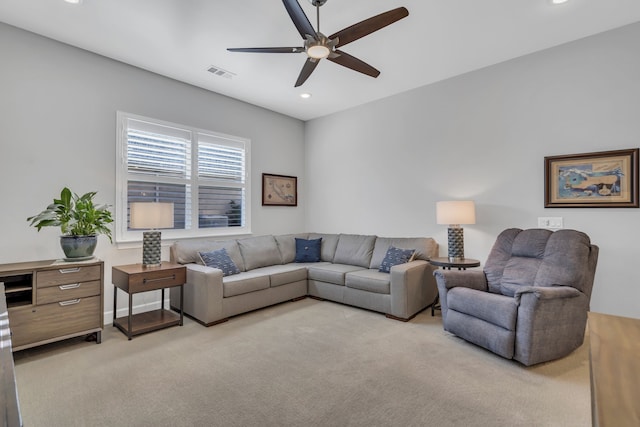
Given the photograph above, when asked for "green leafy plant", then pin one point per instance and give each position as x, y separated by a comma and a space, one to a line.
75, 215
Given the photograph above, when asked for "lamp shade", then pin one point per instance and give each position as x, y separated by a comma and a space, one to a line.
151, 215
456, 212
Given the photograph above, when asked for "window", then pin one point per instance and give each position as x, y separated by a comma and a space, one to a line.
204, 174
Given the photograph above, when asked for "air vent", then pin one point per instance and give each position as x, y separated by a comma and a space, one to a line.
220, 72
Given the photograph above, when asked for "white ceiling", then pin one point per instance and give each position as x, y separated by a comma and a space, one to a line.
439, 39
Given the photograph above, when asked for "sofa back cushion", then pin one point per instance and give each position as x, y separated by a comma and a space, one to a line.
287, 246
260, 251
328, 245
354, 249
425, 248
186, 251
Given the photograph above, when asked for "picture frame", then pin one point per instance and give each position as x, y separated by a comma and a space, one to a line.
604, 179
279, 190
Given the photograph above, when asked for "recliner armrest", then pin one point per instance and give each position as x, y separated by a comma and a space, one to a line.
473, 279
547, 292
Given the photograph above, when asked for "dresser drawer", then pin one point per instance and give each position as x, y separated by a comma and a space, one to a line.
67, 292
148, 280
42, 322
63, 276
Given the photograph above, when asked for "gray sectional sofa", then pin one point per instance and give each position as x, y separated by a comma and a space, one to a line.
346, 273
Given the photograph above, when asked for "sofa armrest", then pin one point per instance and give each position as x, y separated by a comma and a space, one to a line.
201, 274
203, 293
473, 279
413, 288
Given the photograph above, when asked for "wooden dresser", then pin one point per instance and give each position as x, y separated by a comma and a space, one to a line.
49, 301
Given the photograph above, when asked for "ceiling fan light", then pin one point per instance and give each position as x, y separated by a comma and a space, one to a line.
318, 51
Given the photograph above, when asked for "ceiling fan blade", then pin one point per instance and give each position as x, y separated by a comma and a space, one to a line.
299, 19
354, 63
368, 26
267, 49
307, 69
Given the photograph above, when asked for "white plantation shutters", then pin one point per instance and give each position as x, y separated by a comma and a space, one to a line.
221, 177
203, 173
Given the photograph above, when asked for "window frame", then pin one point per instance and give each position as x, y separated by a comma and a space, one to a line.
123, 176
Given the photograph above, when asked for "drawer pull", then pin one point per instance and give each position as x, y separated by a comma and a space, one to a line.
69, 270
69, 286
70, 302
172, 277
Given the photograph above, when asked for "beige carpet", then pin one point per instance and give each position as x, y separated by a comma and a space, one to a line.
305, 363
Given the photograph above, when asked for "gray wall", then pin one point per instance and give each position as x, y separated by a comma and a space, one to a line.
58, 128
380, 168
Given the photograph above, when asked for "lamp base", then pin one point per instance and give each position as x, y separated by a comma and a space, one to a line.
151, 248
455, 243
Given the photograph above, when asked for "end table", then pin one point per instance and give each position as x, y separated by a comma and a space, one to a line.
136, 278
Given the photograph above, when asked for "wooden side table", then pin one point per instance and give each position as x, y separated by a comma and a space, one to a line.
135, 278
446, 264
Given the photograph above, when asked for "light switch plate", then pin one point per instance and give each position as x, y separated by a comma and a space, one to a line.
550, 222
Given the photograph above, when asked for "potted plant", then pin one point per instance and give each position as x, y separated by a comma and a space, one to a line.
80, 221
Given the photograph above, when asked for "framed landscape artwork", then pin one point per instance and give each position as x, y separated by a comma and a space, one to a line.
279, 190
606, 179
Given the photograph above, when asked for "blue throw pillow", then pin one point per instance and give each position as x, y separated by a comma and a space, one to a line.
220, 259
395, 256
308, 250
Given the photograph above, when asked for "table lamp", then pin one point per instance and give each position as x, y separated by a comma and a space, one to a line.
152, 216
455, 213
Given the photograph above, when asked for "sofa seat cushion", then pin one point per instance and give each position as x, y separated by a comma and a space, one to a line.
331, 273
496, 309
244, 283
369, 280
283, 274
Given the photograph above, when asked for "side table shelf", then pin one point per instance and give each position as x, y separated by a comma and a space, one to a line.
135, 278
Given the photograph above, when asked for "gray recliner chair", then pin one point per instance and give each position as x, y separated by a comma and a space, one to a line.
531, 300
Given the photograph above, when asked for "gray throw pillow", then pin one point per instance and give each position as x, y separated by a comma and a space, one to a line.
220, 259
395, 256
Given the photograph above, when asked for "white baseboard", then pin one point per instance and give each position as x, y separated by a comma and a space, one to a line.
139, 308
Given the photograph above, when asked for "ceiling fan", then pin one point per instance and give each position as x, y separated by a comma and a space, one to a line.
317, 46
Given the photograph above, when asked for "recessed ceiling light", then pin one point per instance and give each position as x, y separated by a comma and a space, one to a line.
305, 95
558, 1
74, 1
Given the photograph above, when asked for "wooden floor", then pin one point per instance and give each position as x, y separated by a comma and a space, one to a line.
615, 370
